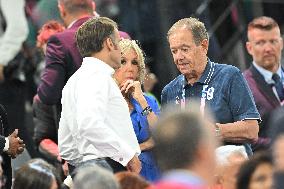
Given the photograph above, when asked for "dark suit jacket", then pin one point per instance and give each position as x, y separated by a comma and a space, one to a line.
62, 60
265, 99
6, 165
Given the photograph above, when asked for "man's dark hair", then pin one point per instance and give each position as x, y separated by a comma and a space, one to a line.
177, 136
92, 34
248, 168
77, 6
263, 23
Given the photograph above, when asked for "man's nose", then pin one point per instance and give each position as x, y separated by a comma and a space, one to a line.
179, 55
268, 47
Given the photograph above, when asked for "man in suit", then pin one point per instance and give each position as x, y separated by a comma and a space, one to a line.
265, 76
62, 55
185, 149
10, 147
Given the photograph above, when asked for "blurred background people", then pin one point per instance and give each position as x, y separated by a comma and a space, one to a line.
229, 159
128, 180
276, 133
185, 149
266, 75
256, 173
13, 33
143, 108
36, 174
95, 177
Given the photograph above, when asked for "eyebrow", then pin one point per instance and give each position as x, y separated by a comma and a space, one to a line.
180, 46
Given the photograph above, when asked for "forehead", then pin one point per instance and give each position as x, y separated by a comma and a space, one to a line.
130, 53
180, 37
257, 34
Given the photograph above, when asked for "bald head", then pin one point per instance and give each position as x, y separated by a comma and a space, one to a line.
77, 6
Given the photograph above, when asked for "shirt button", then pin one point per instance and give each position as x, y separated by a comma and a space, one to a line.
120, 159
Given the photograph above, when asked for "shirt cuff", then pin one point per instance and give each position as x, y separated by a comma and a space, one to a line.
6, 144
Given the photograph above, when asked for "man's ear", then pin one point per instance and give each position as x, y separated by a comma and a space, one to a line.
61, 10
109, 44
204, 45
249, 47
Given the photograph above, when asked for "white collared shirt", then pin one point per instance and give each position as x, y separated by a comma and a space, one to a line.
95, 120
268, 76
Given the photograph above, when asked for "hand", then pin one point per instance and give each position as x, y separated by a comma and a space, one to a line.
16, 145
134, 165
133, 88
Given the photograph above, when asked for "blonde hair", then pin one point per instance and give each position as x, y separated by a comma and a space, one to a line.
126, 45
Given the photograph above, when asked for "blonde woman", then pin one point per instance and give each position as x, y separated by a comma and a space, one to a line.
143, 109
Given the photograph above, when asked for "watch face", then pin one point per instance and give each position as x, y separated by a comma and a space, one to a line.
146, 111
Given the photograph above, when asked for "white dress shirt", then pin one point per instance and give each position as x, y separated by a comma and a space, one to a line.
268, 76
95, 120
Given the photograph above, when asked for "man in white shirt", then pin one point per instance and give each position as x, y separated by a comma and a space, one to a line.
95, 122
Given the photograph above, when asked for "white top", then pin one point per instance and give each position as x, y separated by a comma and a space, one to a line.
16, 32
95, 120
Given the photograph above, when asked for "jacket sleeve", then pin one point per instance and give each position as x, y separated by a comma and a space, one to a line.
54, 74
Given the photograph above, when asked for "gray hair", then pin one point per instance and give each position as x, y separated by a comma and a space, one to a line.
223, 153
95, 177
196, 27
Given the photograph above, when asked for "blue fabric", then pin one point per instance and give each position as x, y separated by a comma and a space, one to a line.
227, 95
149, 169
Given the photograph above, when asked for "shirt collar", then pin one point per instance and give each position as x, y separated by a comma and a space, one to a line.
71, 24
206, 75
92, 61
266, 73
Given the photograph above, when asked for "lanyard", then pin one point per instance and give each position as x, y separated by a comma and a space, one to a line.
204, 93
202, 99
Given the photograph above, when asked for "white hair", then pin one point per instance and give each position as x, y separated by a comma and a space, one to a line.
93, 176
223, 153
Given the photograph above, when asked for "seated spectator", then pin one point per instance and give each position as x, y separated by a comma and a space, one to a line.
128, 180
185, 149
36, 174
93, 176
229, 159
256, 173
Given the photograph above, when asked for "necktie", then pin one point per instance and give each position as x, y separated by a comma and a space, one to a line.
278, 85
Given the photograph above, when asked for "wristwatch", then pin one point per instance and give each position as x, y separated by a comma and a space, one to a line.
146, 111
